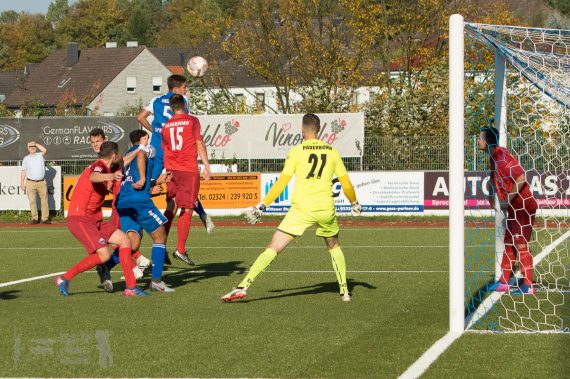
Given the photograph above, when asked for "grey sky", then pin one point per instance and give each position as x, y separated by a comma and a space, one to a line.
30, 6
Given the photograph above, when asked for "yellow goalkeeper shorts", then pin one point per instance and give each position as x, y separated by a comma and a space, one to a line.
296, 222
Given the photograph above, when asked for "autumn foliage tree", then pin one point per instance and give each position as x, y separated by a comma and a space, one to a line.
328, 45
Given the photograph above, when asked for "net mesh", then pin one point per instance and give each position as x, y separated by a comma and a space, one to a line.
538, 135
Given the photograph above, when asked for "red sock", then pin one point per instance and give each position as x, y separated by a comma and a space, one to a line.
525, 259
169, 216
137, 254
85, 264
127, 265
507, 263
183, 229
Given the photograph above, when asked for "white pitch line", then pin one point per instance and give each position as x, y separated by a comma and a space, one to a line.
243, 272
248, 247
31, 279
427, 358
242, 228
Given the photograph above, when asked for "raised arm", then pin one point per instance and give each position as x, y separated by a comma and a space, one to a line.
41, 148
99, 177
142, 119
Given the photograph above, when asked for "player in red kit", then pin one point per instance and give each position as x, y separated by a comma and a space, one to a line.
96, 138
85, 222
182, 143
508, 179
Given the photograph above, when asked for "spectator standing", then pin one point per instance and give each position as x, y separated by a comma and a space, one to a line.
33, 181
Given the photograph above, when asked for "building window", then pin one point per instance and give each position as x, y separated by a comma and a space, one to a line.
131, 84
260, 101
157, 84
239, 102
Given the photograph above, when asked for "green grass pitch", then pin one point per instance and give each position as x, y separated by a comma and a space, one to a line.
292, 325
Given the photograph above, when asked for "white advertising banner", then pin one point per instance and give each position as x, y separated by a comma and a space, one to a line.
13, 198
271, 136
378, 192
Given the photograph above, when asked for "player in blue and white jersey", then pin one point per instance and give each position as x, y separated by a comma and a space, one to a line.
138, 212
159, 107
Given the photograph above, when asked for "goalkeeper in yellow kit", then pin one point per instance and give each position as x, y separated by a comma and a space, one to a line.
313, 163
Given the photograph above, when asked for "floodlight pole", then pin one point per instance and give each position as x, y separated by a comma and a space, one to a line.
501, 125
456, 175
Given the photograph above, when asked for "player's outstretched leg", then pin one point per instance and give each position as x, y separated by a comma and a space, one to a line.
87, 263
260, 265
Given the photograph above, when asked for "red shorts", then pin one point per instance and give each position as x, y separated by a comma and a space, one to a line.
93, 234
184, 187
115, 219
519, 226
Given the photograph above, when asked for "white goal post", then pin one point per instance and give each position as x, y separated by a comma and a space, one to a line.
516, 79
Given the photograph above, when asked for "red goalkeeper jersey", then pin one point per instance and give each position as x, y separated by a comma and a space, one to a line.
505, 169
179, 136
88, 197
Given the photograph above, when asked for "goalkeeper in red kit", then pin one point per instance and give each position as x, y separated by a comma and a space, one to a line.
85, 222
508, 180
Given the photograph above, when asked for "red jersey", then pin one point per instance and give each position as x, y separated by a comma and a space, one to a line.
117, 183
88, 197
179, 136
505, 169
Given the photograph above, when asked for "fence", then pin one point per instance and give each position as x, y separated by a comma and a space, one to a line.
424, 153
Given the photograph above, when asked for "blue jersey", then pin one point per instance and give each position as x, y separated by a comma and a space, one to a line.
160, 108
128, 194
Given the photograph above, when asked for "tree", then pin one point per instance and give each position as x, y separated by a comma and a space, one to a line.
188, 23
92, 23
328, 45
57, 10
24, 38
144, 18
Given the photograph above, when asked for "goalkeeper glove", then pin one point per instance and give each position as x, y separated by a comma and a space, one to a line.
253, 214
356, 209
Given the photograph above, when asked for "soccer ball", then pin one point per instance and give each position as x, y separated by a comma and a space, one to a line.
197, 66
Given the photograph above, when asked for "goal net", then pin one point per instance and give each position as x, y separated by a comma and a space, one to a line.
516, 80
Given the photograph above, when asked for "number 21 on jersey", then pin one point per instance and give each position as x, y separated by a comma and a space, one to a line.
314, 160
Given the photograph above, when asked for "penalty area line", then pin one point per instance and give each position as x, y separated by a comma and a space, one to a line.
422, 364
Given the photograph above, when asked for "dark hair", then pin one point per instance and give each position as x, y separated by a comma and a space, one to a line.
97, 132
491, 136
175, 81
136, 135
108, 148
312, 122
177, 102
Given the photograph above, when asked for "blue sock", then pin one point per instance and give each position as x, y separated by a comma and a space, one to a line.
158, 253
114, 260
199, 209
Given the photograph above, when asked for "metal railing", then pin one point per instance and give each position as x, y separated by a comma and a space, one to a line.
425, 153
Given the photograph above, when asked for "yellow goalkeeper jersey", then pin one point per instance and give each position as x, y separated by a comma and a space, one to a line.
313, 163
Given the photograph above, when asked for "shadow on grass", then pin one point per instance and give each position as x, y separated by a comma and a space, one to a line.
9, 295
325, 287
203, 271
